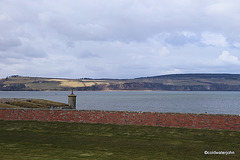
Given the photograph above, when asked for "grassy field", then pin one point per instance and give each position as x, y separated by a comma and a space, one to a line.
32, 140
4, 105
29, 103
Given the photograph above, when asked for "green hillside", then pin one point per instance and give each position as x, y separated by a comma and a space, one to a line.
174, 82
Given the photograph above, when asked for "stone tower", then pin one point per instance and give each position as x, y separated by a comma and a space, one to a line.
72, 100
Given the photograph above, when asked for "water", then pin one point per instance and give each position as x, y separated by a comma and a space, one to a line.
151, 101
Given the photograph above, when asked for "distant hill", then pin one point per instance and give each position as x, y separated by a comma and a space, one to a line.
172, 82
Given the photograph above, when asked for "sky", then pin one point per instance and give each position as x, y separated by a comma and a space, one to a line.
118, 38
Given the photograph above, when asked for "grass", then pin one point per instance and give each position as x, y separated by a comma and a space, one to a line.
33, 140
24, 104
33, 103
89, 84
4, 105
19, 80
48, 103
48, 85
67, 83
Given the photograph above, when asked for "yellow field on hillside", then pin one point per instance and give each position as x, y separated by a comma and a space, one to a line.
71, 84
74, 83
68, 83
88, 84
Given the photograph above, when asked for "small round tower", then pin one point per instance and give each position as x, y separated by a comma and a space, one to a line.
72, 100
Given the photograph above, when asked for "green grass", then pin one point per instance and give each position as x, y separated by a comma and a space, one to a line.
33, 140
48, 103
25, 104
48, 85
32, 103
4, 105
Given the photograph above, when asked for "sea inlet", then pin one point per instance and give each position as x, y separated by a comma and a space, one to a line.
212, 102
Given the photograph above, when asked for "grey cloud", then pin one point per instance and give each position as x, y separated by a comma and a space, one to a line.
70, 44
180, 39
88, 54
23, 53
96, 67
117, 39
33, 52
7, 43
122, 20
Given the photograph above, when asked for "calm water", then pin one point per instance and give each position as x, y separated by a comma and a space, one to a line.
153, 101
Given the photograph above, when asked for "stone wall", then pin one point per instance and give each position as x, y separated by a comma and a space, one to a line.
209, 121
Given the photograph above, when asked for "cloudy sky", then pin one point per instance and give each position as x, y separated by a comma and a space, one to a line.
118, 38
